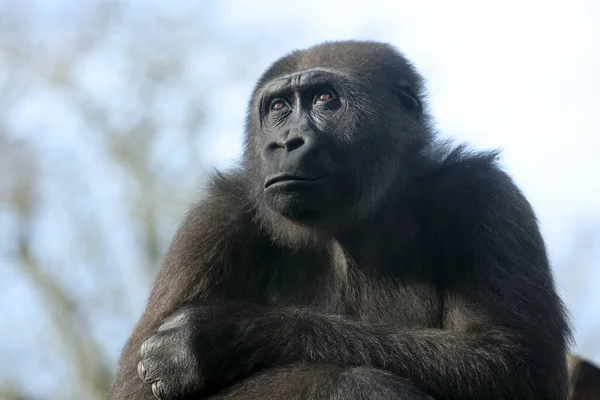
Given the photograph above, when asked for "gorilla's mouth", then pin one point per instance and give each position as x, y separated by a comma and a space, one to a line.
286, 178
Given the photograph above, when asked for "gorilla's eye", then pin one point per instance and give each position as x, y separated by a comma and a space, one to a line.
277, 105
324, 96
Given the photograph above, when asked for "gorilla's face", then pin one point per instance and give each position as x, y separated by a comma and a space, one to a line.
325, 144
300, 149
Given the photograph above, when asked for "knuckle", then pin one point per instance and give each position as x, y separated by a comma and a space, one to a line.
148, 346
147, 371
188, 316
175, 321
159, 390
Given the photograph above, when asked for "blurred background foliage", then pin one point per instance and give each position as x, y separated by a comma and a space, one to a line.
111, 115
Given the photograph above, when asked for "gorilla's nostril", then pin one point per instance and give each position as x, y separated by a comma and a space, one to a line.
294, 143
276, 146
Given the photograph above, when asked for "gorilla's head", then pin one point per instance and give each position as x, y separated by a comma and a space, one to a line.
330, 131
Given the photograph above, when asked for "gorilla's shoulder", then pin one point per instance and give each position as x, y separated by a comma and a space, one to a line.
461, 163
454, 158
229, 186
465, 177
226, 198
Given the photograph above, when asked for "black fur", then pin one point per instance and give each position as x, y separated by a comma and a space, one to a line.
409, 269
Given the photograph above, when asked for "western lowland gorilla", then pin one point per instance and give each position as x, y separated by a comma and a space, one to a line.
351, 255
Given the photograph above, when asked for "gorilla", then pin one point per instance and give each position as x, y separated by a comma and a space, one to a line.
352, 254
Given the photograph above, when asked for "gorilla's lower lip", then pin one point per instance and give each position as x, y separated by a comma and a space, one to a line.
287, 178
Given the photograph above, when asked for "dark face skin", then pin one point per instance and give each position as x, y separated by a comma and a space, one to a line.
299, 114
308, 121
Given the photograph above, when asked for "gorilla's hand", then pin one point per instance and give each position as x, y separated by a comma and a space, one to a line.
199, 348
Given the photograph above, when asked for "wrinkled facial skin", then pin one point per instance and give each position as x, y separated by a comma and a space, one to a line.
300, 148
324, 145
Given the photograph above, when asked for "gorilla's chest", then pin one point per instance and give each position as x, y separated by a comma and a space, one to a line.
374, 293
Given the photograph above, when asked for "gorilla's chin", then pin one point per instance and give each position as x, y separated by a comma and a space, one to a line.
302, 216
301, 206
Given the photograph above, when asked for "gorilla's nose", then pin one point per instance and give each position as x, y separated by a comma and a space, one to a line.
289, 144
296, 152
294, 143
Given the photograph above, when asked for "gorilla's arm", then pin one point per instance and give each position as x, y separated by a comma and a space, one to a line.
199, 256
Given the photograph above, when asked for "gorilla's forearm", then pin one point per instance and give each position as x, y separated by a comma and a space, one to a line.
446, 363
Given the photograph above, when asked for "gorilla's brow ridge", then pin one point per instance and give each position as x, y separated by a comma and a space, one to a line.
315, 71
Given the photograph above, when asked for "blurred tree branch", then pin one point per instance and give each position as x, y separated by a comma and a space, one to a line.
126, 121
88, 363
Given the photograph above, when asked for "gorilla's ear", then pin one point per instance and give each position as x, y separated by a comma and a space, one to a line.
409, 99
